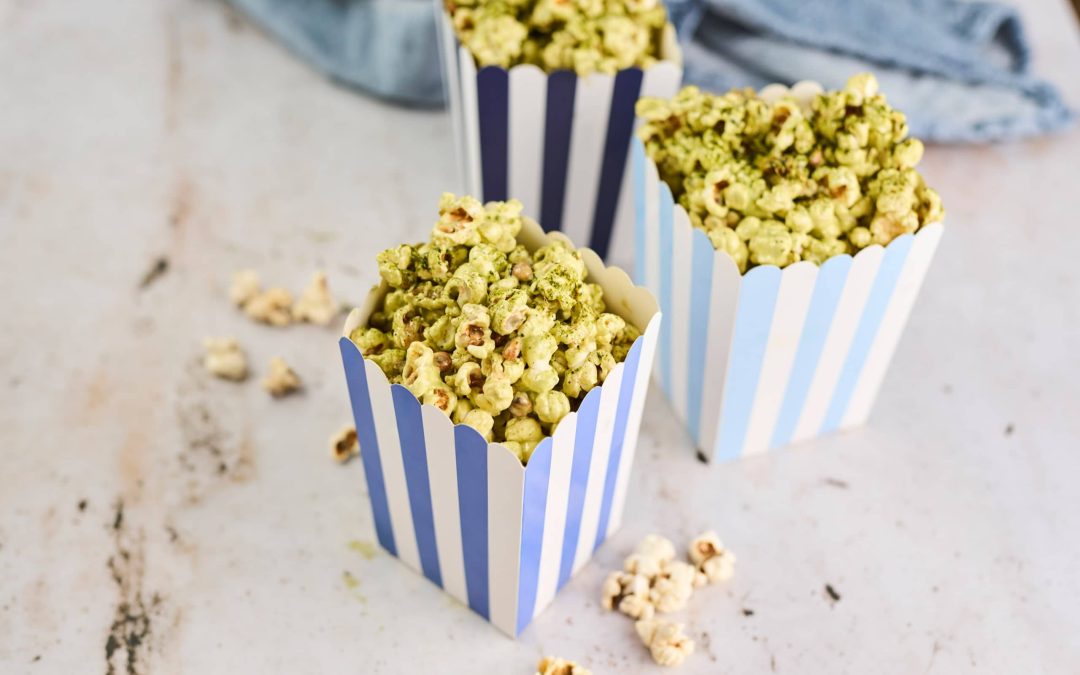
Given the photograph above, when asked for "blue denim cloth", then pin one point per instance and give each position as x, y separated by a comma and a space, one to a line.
388, 48
959, 69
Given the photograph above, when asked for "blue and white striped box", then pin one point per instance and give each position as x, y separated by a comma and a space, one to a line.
557, 142
501, 537
755, 361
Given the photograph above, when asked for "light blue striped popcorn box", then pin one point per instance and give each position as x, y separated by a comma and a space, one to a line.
500, 537
558, 142
755, 361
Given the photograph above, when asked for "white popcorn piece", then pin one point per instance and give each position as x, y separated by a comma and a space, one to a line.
282, 380
610, 590
704, 546
344, 445
245, 286
620, 584
719, 568
552, 665
273, 306
619, 587
637, 607
712, 559
315, 304
225, 359
667, 643
647, 566
656, 547
672, 588
679, 572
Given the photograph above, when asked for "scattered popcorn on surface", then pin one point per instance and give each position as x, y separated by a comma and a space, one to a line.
344, 445
712, 559
654, 581
666, 641
225, 359
585, 36
273, 306
776, 183
315, 304
504, 340
282, 380
551, 665
245, 286
276, 307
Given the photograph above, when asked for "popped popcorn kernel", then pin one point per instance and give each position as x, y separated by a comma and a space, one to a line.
281, 380
637, 607
864, 85
667, 643
502, 339
245, 286
225, 359
628, 593
773, 183
656, 547
344, 445
315, 304
272, 306
673, 586
712, 559
482, 421
644, 565
550, 665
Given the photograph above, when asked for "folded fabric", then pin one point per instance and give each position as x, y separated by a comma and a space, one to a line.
960, 69
388, 48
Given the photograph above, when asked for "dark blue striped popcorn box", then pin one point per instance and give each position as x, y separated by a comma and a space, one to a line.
756, 361
500, 537
558, 142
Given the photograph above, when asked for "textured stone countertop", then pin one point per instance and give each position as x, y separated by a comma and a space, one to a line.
138, 497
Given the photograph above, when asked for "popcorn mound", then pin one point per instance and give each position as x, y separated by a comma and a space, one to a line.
585, 36
773, 183
498, 338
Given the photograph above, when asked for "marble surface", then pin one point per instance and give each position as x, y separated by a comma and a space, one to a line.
154, 520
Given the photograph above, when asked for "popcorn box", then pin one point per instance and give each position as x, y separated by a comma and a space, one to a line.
501, 537
755, 361
558, 142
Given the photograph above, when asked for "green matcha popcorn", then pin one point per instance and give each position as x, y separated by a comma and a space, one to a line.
500, 339
773, 183
585, 36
